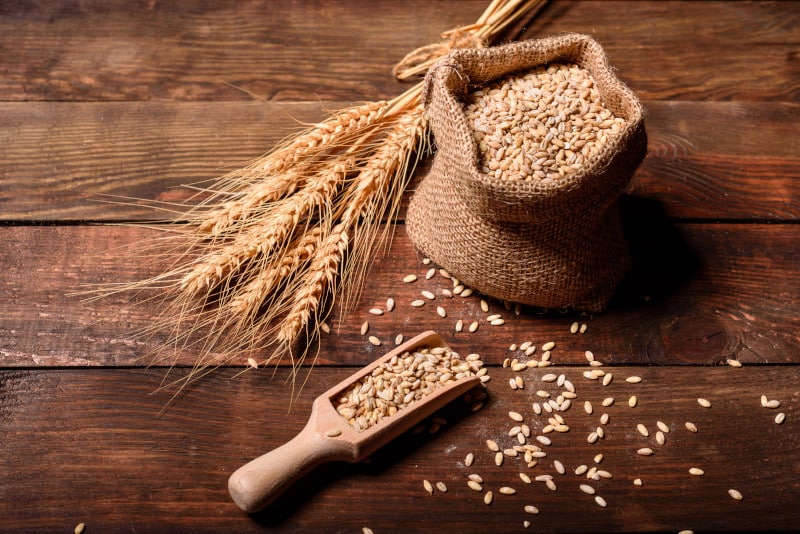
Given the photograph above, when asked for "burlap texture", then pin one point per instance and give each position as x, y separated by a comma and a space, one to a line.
553, 244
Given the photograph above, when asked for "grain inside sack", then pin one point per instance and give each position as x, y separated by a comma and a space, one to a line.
535, 143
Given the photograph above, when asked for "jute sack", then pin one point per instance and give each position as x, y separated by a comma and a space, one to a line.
552, 244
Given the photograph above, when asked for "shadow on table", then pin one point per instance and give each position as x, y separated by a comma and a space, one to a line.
662, 260
328, 477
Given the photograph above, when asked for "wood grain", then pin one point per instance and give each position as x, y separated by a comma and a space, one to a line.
86, 161
689, 50
701, 293
193, 51
118, 101
107, 161
106, 455
727, 160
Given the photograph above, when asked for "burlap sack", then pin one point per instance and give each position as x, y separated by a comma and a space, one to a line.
555, 244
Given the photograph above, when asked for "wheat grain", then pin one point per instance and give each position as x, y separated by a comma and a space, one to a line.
534, 111
735, 494
399, 382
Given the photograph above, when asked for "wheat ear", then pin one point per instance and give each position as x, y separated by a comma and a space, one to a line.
269, 230
280, 287
239, 205
247, 302
366, 204
322, 274
279, 173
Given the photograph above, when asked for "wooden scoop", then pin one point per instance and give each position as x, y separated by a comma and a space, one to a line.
329, 437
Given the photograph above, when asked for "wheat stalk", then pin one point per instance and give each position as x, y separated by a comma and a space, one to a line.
274, 244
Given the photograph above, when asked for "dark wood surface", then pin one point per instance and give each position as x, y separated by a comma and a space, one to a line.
108, 106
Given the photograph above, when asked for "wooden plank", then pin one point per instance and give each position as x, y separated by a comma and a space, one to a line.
102, 161
703, 160
690, 50
190, 51
61, 160
701, 293
106, 455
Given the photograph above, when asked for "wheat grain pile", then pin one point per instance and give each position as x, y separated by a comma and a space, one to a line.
541, 125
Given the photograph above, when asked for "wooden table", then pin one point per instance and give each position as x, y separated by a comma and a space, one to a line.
133, 100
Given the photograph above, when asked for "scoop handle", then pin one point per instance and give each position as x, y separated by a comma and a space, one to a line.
257, 483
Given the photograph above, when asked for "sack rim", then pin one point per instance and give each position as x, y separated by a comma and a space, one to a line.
459, 71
